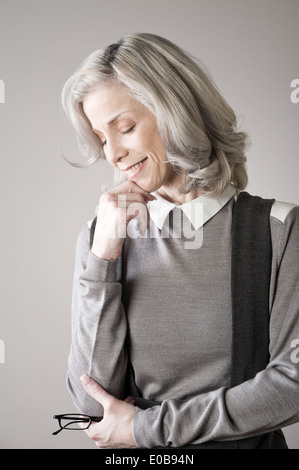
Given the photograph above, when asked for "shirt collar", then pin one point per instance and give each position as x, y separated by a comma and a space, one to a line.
160, 208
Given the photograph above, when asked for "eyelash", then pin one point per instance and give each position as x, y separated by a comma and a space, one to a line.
128, 131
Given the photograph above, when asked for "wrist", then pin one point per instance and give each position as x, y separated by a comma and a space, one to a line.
100, 270
133, 440
104, 255
106, 252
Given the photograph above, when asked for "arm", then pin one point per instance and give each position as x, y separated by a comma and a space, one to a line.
98, 327
99, 323
267, 402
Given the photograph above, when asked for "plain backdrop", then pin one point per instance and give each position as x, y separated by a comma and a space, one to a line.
251, 50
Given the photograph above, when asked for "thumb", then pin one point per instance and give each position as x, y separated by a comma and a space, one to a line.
95, 390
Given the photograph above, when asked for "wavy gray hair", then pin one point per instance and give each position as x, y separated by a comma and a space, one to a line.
196, 123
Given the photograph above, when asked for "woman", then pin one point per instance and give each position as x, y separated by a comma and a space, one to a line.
152, 315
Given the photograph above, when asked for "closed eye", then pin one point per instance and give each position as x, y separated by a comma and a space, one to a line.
128, 131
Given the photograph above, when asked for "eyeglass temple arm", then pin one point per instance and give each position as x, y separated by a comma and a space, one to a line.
58, 431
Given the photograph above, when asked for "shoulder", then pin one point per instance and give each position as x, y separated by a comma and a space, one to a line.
281, 210
83, 237
89, 224
82, 247
87, 227
284, 220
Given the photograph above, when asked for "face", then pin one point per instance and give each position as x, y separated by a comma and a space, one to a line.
129, 135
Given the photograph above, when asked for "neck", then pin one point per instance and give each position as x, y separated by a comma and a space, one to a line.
171, 193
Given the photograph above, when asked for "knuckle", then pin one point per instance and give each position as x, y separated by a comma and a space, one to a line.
137, 207
121, 213
106, 197
139, 197
109, 407
93, 435
88, 432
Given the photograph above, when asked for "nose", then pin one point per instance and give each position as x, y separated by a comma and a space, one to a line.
115, 151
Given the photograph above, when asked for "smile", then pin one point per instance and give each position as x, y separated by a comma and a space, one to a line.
134, 170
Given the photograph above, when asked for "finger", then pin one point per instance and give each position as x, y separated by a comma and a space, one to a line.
129, 400
131, 187
141, 192
140, 212
124, 200
95, 390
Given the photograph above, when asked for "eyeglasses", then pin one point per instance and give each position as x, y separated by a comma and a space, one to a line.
75, 422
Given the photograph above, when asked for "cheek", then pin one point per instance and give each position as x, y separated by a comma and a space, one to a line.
158, 153
157, 166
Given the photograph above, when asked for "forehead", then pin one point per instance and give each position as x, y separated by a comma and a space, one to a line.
106, 103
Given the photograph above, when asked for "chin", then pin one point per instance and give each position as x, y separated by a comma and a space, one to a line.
147, 186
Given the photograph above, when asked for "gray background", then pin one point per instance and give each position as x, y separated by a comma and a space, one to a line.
251, 49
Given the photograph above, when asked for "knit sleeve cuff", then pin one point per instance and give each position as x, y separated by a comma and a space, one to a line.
146, 428
100, 270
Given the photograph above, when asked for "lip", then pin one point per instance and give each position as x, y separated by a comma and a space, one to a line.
128, 167
135, 173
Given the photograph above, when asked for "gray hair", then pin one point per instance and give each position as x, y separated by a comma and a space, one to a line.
196, 123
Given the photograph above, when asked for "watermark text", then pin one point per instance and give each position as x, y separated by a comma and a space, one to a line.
295, 353
2, 352
295, 92
175, 225
2, 91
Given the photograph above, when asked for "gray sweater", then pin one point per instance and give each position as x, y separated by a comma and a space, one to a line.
175, 305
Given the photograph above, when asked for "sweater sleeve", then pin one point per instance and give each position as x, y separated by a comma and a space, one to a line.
99, 327
268, 401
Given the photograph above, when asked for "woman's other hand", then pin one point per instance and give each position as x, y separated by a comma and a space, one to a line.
115, 431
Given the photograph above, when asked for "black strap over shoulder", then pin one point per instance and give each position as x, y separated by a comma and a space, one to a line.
251, 272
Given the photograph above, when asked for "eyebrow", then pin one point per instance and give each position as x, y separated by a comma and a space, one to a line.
112, 121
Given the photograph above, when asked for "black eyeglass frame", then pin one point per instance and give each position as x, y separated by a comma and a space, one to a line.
75, 418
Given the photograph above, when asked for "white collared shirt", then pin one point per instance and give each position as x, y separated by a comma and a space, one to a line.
159, 210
